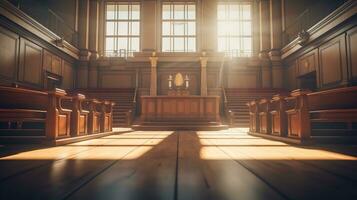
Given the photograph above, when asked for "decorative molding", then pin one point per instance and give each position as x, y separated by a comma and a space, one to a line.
340, 15
23, 20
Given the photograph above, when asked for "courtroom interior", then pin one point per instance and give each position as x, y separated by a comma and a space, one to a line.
178, 99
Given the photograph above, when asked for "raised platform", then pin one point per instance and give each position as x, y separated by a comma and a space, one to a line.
179, 125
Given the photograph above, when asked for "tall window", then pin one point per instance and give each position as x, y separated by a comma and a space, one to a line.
234, 29
178, 27
122, 35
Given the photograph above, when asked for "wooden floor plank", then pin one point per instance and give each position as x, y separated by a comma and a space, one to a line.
56, 180
147, 173
281, 167
182, 165
200, 177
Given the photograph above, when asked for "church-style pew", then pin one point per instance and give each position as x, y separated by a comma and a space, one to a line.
278, 122
253, 116
94, 116
107, 116
32, 113
264, 116
330, 112
79, 116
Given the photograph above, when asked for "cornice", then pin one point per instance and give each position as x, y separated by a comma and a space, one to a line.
23, 20
341, 14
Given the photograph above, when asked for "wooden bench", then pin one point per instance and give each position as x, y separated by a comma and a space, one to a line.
326, 113
25, 112
278, 122
95, 115
264, 116
107, 116
79, 116
253, 116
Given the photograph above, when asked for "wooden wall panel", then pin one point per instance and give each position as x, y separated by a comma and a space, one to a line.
68, 76
333, 68
30, 62
352, 54
243, 79
117, 79
308, 62
8, 53
290, 76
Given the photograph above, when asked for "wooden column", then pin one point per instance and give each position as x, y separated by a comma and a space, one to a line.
93, 29
83, 43
276, 43
203, 60
264, 25
153, 80
264, 37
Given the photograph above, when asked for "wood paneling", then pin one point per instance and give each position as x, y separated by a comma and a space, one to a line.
352, 54
30, 62
8, 53
290, 76
307, 63
333, 68
180, 108
117, 79
67, 75
244, 79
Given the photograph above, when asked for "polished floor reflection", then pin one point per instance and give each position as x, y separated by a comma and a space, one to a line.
179, 165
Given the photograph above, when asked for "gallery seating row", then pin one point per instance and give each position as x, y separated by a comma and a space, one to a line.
51, 115
304, 114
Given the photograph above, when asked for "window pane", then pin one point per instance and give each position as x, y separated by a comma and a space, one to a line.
234, 12
179, 11
166, 12
191, 28
135, 12
135, 28
179, 28
221, 14
234, 28
166, 28
166, 44
135, 44
123, 11
221, 44
123, 28
234, 44
110, 11
122, 43
247, 44
191, 45
191, 12
246, 28
109, 44
110, 28
246, 12
179, 44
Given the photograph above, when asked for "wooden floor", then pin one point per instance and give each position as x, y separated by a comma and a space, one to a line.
178, 165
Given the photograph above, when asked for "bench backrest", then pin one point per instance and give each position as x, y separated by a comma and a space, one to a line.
340, 98
23, 98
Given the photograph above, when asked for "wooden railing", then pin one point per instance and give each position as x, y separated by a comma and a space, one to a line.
130, 115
